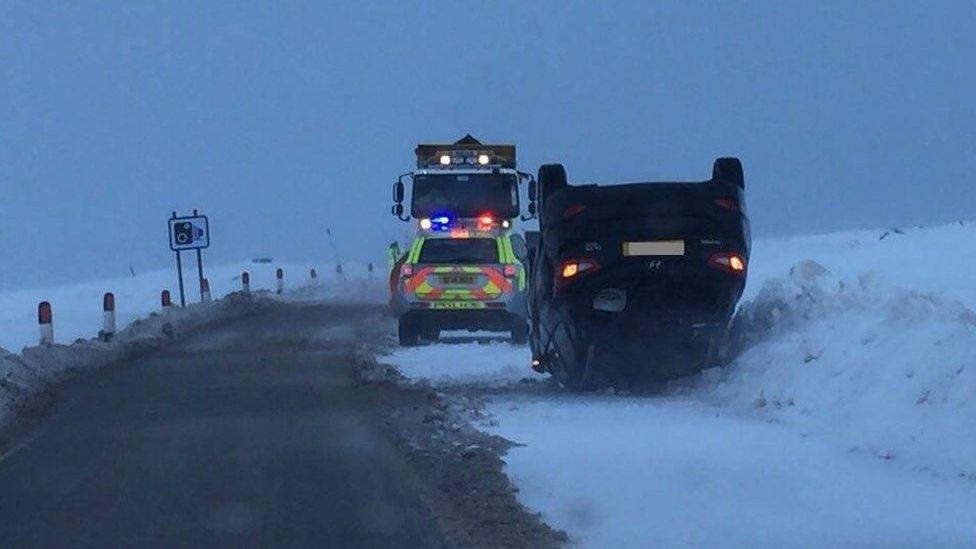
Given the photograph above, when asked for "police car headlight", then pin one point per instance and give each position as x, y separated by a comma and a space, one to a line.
425, 223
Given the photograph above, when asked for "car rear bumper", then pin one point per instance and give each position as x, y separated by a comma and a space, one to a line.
495, 320
493, 316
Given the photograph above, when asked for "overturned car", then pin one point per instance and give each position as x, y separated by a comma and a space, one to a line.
639, 281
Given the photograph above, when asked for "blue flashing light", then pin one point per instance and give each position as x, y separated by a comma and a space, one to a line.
440, 223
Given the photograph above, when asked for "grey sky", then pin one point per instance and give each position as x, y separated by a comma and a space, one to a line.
281, 120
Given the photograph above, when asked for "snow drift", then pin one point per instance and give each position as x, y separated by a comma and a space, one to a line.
877, 368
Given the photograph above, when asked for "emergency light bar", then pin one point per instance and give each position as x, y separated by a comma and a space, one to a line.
466, 152
484, 223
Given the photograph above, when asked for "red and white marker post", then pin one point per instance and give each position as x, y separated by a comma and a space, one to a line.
279, 281
166, 300
108, 317
204, 291
246, 282
314, 275
45, 318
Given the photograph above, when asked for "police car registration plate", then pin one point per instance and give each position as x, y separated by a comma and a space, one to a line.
457, 279
457, 305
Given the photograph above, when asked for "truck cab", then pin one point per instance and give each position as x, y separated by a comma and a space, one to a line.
463, 180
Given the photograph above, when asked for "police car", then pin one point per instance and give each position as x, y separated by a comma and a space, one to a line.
462, 274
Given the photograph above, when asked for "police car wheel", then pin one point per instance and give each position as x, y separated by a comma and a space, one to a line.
407, 332
520, 332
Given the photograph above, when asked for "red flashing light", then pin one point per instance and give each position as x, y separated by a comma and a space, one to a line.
406, 271
485, 222
511, 270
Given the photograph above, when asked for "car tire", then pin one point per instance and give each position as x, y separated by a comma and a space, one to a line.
729, 170
520, 332
407, 332
552, 177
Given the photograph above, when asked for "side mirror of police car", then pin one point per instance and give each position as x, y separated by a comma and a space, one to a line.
398, 192
398, 210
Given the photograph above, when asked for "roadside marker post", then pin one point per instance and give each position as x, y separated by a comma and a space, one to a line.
314, 275
246, 282
279, 281
45, 318
204, 290
165, 299
189, 233
108, 317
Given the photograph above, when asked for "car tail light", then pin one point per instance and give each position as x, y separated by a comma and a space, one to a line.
729, 262
572, 269
406, 271
511, 270
573, 210
727, 204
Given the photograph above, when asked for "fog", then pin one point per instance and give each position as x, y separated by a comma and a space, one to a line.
280, 121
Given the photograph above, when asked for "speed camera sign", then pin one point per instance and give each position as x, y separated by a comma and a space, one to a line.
189, 233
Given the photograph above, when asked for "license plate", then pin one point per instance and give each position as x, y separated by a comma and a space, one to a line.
457, 305
457, 279
658, 247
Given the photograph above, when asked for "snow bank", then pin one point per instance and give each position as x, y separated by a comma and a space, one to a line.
636, 472
78, 307
936, 260
491, 364
888, 371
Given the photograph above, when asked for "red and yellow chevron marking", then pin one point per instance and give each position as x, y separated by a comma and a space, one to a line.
419, 284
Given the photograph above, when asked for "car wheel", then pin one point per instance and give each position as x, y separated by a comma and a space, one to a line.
729, 170
407, 332
520, 332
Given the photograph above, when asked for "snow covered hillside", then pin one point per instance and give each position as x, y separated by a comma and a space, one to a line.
78, 307
846, 421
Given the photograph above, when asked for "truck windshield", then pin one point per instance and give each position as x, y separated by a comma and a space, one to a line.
465, 195
459, 250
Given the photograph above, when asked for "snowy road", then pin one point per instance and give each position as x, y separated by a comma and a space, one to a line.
257, 432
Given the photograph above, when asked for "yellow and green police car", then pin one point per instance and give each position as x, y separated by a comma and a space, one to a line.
460, 278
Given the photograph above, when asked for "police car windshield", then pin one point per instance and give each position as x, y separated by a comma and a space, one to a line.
459, 250
465, 195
